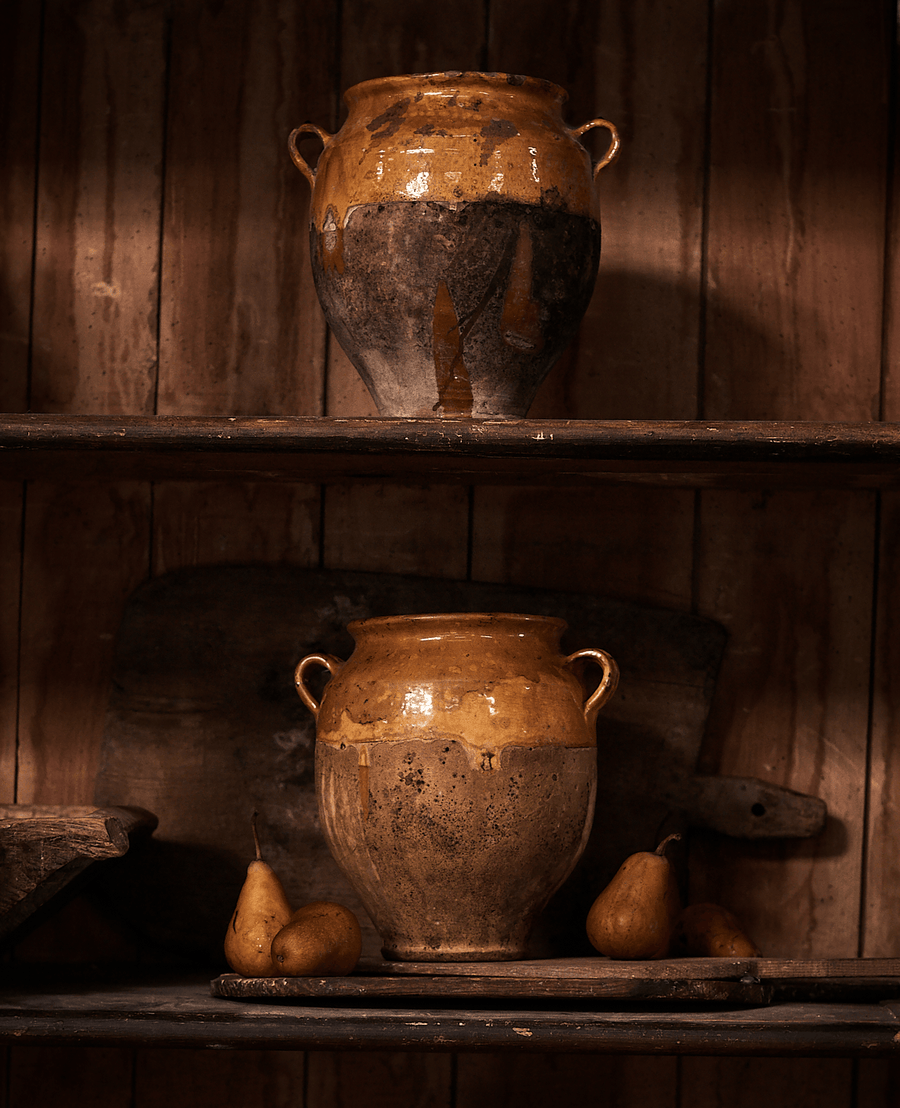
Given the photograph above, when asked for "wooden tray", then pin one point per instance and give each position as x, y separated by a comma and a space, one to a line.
708, 980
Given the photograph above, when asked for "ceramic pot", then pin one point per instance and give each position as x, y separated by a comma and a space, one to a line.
454, 237
456, 775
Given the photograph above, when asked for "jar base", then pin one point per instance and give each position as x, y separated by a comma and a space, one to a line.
450, 954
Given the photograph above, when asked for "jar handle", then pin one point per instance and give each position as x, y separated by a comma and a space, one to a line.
327, 661
615, 142
608, 682
297, 158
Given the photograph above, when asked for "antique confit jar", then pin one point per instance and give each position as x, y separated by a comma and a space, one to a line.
454, 238
456, 772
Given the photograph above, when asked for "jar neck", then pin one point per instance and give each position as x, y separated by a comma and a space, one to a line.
445, 86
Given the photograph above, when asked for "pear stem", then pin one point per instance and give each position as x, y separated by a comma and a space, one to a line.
661, 849
256, 836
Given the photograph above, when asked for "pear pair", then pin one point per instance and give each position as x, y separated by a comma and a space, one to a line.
639, 916
266, 938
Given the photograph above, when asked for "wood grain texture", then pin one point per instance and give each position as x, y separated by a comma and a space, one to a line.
802, 1083
498, 1081
878, 1082
75, 1078
891, 351
20, 46
790, 576
240, 329
633, 543
380, 1079
96, 1013
96, 277
796, 210
11, 511
636, 355
44, 848
384, 40
397, 529
881, 905
199, 523
251, 1078
85, 550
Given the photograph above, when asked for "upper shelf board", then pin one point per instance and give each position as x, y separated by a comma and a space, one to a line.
689, 453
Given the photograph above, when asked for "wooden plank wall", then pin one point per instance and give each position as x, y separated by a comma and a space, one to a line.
154, 260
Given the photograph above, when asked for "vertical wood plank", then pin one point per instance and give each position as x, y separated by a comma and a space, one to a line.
793, 331
199, 523
76, 1078
878, 1083
790, 577
891, 353
95, 297
397, 529
20, 47
636, 355
603, 1081
881, 904
379, 1080
796, 211
11, 510
241, 332
86, 549
743, 1082
96, 277
252, 1079
378, 40
631, 543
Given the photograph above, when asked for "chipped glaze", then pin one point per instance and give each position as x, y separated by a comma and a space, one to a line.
456, 775
455, 237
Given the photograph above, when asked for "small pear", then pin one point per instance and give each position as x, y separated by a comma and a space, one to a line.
711, 931
321, 939
634, 916
261, 912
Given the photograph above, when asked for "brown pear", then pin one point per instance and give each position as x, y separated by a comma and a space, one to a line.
261, 912
634, 916
321, 939
711, 931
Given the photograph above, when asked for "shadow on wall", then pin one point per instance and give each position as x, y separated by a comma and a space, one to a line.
639, 354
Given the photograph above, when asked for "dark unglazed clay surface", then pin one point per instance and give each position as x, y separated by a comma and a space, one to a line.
455, 309
454, 849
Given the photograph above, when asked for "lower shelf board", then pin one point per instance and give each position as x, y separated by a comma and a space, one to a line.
181, 1012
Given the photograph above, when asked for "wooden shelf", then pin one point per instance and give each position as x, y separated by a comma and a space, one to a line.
183, 1013
692, 454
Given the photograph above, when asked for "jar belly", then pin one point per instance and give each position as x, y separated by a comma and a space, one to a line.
454, 856
455, 308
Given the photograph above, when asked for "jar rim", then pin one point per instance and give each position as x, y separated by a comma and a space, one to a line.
461, 619
460, 77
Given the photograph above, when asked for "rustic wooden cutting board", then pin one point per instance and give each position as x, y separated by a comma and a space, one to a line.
204, 727
705, 980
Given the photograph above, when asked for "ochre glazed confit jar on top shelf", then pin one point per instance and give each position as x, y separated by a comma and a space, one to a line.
456, 769
455, 238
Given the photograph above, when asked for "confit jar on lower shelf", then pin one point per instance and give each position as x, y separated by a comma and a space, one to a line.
456, 769
454, 238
